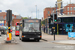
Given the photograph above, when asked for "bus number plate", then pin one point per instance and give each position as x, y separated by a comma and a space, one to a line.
31, 38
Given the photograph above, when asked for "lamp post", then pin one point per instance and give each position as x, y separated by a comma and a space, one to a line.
31, 13
36, 11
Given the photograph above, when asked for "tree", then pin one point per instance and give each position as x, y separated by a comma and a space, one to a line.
24, 17
35, 18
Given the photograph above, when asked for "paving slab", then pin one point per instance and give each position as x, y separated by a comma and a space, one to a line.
64, 42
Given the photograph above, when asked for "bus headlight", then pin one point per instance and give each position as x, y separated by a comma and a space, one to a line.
39, 36
23, 36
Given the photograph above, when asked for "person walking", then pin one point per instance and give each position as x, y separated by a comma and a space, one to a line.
73, 29
44, 29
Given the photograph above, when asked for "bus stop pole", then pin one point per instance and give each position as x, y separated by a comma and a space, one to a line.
53, 16
53, 30
54, 36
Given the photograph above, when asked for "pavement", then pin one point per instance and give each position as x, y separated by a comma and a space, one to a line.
59, 39
33, 45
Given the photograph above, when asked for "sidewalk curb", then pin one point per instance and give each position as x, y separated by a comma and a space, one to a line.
62, 42
44, 39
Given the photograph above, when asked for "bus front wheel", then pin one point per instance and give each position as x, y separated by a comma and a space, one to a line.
22, 40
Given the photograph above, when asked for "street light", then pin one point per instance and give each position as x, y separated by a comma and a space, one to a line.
31, 13
36, 11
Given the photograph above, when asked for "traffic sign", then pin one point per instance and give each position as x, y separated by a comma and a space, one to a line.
71, 34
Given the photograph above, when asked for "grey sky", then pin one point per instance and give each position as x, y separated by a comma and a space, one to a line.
27, 7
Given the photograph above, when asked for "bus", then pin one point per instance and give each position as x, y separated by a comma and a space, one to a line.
30, 29
17, 29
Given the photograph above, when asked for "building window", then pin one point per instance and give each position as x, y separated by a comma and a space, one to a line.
71, 13
48, 12
68, 8
68, 13
74, 8
71, 8
53, 9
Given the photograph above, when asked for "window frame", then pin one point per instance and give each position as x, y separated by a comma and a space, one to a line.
68, 13
71, 8
74, 8
67, 8
71, 13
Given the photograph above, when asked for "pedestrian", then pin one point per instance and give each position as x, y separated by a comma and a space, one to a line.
44, 29
52, 30
73, 29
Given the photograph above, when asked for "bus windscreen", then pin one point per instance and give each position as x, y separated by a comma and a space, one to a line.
31, 27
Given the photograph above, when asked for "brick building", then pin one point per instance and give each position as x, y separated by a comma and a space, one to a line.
15, 18
48, 11
68, 9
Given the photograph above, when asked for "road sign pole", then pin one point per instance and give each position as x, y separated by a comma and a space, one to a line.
9, 19
9, 26
53, 17
54, 36
53, 28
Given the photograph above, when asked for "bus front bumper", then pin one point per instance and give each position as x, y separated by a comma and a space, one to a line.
26, 38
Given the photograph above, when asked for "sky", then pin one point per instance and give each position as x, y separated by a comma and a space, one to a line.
27, 8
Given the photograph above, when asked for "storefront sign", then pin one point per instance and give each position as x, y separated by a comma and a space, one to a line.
71, 34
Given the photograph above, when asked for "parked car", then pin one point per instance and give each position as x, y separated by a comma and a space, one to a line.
5, 27
2, 30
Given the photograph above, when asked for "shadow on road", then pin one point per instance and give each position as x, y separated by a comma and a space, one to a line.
30, 41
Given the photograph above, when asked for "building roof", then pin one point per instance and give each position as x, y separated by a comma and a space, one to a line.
2, 13
49, 7
18, 17
70, 5
62, 16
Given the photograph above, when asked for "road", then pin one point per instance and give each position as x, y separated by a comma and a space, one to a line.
33, 45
